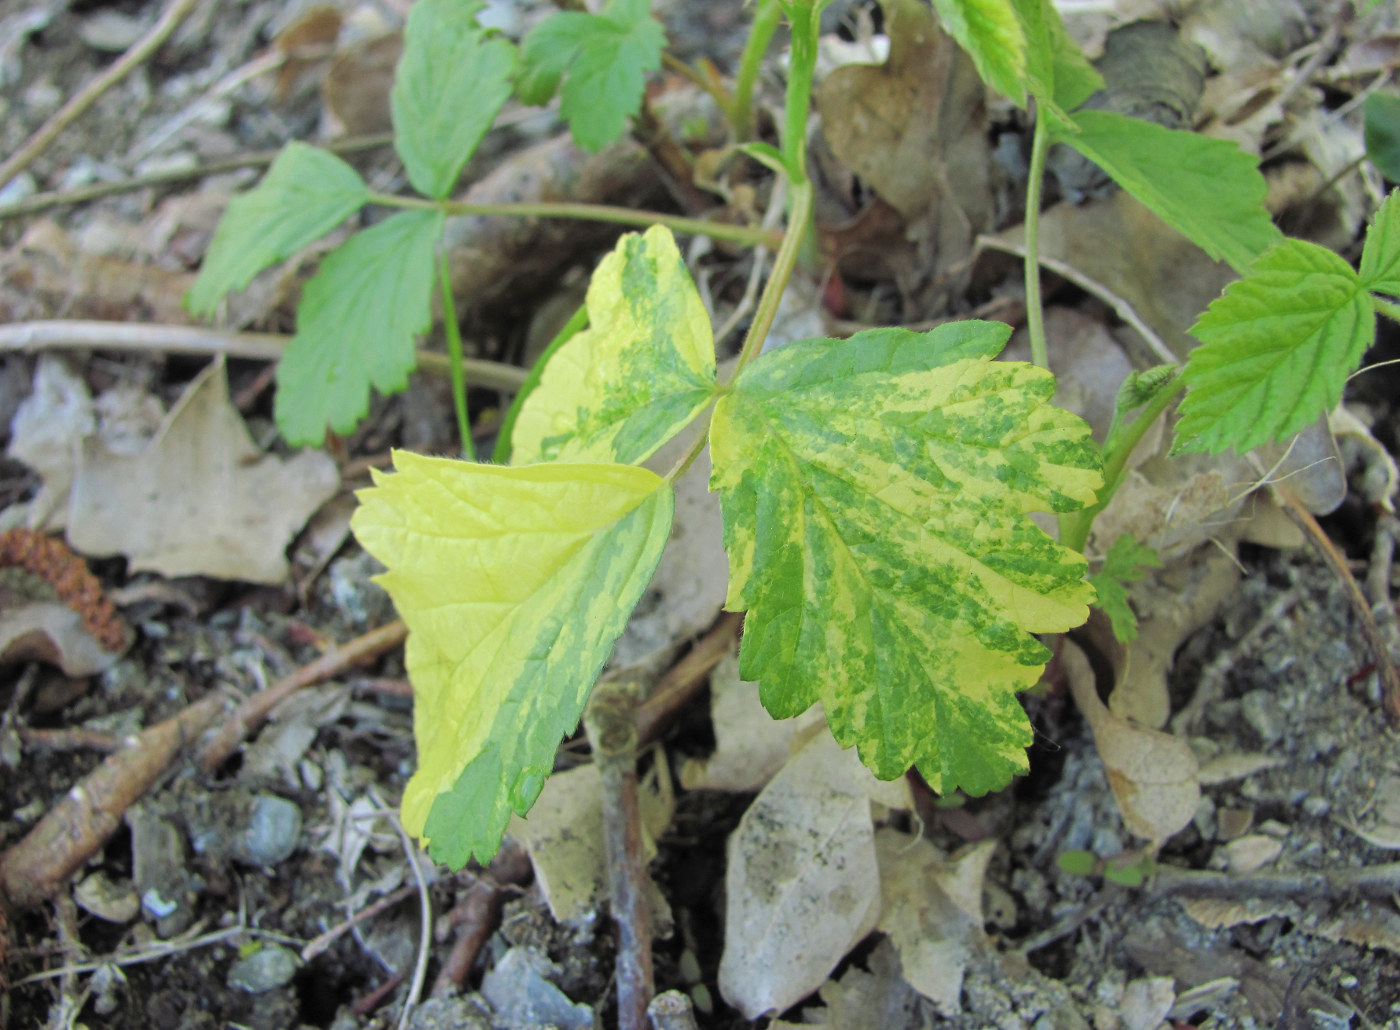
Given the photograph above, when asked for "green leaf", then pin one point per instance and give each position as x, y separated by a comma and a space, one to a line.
603, 59
514, 584
1382, 117
1123, 564
452, 79
1057, 72
1209, 190
356, 325
1380, 258
640, 372
991, 33
1277, 348
304, 195
1077, 862
874, 494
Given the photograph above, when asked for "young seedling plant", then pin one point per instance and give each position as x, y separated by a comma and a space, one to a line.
876, 491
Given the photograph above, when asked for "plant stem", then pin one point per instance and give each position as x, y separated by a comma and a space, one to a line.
765, 23
1388, 308
454, 356
707, 82
1035, 311
741, 234
1074, 529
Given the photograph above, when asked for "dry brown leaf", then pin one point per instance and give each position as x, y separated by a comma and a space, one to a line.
1153, 774
932, 910
47, 435
356, 88
201, 499
802, 884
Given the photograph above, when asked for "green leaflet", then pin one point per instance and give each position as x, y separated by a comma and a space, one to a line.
603, 59
1382, 115
875, 493
1276, 350
514, 584
1209, 190
641, 371
991, 32
1380, 258
451, 81
304, 195
356, 325
1057, 72
1123, 564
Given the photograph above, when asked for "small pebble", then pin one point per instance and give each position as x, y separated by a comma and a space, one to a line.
1316, 806
269, 967
273, 833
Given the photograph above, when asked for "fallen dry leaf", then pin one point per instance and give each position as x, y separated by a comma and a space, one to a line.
46, 631
932, 911
201, 499
1153, 774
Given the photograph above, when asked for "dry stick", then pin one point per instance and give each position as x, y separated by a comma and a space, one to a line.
183, 339
319, 944
74, 739
1377, 881
686, 677
74, 829
251, 713
85, 97
477, 916
611, 722
1385, 668
672, 1011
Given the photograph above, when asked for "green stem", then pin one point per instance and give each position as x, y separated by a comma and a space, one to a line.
741, 234
801, 70
1074, 529
454, 355
799, 215
765, 23
1035, 312
579, 319
1388, 308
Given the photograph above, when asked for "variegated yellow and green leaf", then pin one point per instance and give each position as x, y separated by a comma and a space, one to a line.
641, 371
514, 584
875, 495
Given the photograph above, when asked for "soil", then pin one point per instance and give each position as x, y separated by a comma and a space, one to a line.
219, 870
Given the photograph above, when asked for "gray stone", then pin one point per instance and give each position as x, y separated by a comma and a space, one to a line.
266, 969
273, 831
523, 999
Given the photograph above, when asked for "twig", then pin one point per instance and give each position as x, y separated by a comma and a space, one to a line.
686, 677
375, 998
477, 916
75, 739
74, 829
425, 937
85, 97
183, 339
672, 1010
1377, 881
319, 944
251, 713
1380, 651
611, 722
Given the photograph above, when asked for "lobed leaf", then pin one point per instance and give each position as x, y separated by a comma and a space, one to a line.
603, 60
1276, 350
1381, 112
304, 195
356, 325
1122, 564
991, 32
1380, 257
451, 81
1209, 190
514, 584
875, 494
641, 371
1057, 72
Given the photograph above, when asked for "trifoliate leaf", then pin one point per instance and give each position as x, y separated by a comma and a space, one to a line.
1057, 72
643, 368
1209, 190
603, 59
1380, 258
1382, 117
991, 33
304, 195
355, 327
1276, 350
451, 81
875, 493
514, 584
1122, 564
